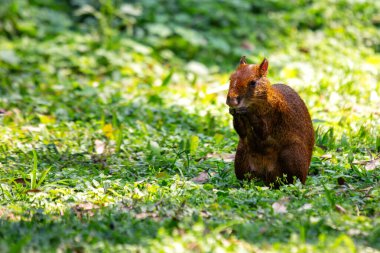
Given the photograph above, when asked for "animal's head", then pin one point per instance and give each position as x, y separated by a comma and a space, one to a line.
248, 84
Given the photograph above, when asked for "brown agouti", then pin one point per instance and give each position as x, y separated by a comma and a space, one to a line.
276, 136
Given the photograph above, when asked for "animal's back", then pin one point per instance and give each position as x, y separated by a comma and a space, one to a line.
298, 117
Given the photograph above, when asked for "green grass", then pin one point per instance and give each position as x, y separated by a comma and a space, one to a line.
107, 118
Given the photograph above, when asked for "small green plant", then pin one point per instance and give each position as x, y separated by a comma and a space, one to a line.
34, 182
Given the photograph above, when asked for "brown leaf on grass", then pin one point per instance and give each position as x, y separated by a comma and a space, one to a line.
193, 247
367, 191
201, 178
354, 232
304, 50
39, 128
363, 162
19, 180
100, 146
306, 206
145, 215
280, 206
326, 156
371, 165
205, 214
340, 209
223, 156
365, 109
7, 214
84, 208
33, 191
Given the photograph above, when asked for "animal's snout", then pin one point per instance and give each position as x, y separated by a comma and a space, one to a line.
233, 101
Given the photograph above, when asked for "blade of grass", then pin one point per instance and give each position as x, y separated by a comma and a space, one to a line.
43, 176
119, 139
167, 79
33, 174
329, 196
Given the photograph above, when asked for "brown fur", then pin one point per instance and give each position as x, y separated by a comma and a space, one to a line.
274, 126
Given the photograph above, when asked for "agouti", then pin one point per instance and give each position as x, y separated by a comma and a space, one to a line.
276, 135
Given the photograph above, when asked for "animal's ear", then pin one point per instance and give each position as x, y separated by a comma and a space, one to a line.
243, 60
264, 67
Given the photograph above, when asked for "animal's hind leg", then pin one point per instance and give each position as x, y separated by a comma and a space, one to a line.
294, 160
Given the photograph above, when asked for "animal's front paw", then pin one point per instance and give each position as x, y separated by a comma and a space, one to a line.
241, 110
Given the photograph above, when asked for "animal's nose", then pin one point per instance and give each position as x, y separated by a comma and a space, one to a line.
233, 101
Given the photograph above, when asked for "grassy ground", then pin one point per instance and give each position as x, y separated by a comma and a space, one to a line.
115, 136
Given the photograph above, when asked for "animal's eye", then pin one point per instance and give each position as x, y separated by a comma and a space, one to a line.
252, 83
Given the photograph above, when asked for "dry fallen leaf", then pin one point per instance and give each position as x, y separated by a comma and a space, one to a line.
84, 208
145, 215
193, 247
19, 180
279, 206
307, 206
7, 214
326, 156
371, 165
340, 209
366, 191
224, 156
353, 232
99, 147
33, 191
39, 128
205, 214
201, 178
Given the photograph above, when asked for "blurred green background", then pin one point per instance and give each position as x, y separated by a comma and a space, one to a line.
115, 135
